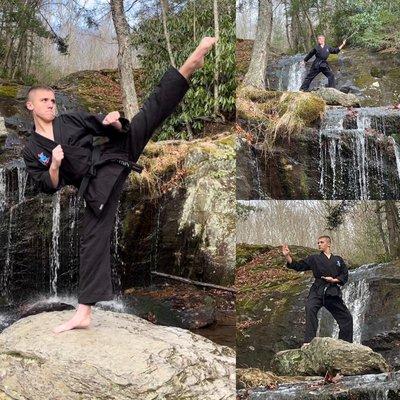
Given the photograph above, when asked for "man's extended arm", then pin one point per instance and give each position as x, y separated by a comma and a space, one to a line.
302, 265
309, 55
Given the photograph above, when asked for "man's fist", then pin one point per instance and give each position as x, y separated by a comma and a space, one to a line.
204, 47
56, 156
285, 250
111, 118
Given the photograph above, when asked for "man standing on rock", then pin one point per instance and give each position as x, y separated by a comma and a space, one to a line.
60, 152
321, 52
330, 272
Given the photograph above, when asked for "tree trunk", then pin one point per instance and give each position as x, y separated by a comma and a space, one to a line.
255, 75
378, 212
125, 59
217, 59
393, 226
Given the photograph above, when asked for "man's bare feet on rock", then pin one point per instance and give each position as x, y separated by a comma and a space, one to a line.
80, 320
305, 345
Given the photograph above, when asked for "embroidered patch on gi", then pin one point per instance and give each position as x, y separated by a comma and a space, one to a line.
338, 263
43, 158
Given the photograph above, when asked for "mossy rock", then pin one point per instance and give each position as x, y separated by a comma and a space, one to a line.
246, 252
377, 72
298, 110
256, 94
394, 73
333, 58
9, 91
364, 80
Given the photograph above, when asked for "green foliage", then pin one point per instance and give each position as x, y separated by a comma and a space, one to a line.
375, 23
186, 28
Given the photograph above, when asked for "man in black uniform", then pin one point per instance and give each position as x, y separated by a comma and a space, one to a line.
321, 52
329, 272
60, 152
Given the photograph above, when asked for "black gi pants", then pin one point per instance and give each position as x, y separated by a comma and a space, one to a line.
95, 282
314, 71
339, 311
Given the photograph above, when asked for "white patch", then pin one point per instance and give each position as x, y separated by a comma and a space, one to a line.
101, 206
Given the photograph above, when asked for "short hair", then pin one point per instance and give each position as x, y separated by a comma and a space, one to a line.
326, 237
38, 87
320, 36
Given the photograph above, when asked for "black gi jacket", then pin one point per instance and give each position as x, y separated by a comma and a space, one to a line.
321, 55
321, 265
75, 132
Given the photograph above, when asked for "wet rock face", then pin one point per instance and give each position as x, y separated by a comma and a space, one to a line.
148, 361
354, 154
374, 386
327, 354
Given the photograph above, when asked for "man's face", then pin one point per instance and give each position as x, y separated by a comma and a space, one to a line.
321, 40
323, 244
42, 103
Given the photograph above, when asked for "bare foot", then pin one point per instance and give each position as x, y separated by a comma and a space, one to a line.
305, 345
196, 59
80, 320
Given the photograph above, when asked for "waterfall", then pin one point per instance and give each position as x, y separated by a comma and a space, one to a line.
22, 179
2, 189
296, 75
54, 254
356, 294
397, 155
114, 270
7, 273
356, 297
361, 166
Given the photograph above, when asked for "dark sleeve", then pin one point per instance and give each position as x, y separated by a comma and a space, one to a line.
94, 123
334, 50
40, 174
344, 274
158, 106
302, 265
309, 55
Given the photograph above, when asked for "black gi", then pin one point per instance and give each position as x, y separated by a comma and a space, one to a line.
74, 132
320, 64
323, 293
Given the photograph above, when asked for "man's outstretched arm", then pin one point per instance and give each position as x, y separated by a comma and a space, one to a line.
302, 265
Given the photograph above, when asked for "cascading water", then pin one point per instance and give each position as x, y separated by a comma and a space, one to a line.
353, 160
356, 295
292, 73
55, 258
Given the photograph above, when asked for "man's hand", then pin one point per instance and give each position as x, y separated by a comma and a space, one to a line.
342, 45
113, 119
56, 157
285, 250
196, 59
330, 279
303, 63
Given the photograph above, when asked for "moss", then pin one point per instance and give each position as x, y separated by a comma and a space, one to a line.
364, 80
377, 72
299, 110
246, 252
9, 91
256, 94
394, 73
333, 58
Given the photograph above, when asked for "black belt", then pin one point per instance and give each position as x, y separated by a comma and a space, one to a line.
95, 163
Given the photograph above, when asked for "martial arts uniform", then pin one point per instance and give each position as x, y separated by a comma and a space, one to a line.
116, 159
323, 293
320, 64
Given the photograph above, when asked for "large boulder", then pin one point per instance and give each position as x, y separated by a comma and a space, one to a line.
327, 354
120, 356
335, 97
